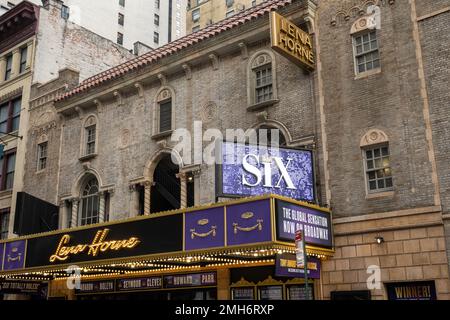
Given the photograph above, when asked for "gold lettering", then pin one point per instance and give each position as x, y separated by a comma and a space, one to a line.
98, 245
291, 41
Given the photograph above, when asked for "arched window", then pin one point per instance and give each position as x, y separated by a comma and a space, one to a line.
164, 112
270, 135
377, 164
90, 202
365, 40
90, 136
262, 79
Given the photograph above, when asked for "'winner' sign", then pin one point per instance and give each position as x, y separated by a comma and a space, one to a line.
291, 41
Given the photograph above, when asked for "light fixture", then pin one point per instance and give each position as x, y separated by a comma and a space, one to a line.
379, 240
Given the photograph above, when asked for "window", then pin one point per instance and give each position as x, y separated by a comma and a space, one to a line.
7, 168
157, 4
229, 13
195, 29
122, 3
156, 37
90, 203
165, 116
90, 139
264, 84
9, 59
229, 3
121, 19
253, 3
367, 56
42, 155
10, 116
119, 38
4, 223
65, 12
261, 80
378, 170
156, 20
23, 59
195, 15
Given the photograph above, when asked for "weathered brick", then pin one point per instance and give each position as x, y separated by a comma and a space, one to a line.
428, 244
363, 250
418, 233
357, 263
431, 272
414, 273
397, 274
395, 247
404, 260
411, 246
388, 261
342, 264
350, 276
421, 258
401, 234
348, 252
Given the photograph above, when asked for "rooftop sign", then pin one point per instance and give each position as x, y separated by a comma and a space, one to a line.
291, 41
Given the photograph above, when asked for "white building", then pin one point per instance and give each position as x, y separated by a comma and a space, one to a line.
151, 22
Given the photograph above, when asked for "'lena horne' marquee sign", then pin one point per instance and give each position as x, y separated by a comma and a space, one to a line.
264, 220
291, 41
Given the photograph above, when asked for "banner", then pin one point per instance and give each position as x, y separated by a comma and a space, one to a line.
286, 266
316, 224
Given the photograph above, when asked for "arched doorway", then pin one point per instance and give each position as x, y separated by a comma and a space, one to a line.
165, 194
269, 130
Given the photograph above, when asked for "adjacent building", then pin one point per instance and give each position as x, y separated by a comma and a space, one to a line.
126, 22
36, 43
357, 93
201, 13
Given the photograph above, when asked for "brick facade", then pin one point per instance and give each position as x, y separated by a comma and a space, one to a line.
330, 109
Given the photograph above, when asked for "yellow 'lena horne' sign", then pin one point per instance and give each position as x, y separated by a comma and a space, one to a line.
291, 41
63, 252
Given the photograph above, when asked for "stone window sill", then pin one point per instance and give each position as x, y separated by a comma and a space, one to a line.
261, 105
367, 74
5, 193
165, 134
380, 195
88, 157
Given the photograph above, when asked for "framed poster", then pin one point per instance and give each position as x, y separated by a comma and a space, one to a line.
243, 293
270, 292
298, 292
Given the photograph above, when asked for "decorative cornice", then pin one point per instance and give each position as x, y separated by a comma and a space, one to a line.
356, 9
119, 97
162, 77
244, 50
188, 71
140, 89
214, 61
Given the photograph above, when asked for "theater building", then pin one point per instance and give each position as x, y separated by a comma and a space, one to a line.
344, 84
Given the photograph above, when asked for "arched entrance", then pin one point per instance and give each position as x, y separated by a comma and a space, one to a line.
166, 188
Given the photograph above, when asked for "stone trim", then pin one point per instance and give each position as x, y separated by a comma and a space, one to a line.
385, 215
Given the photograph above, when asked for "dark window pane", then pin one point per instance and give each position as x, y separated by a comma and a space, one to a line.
380, 184
389, 183
372, 185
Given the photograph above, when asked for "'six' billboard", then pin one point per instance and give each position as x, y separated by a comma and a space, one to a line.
250, 170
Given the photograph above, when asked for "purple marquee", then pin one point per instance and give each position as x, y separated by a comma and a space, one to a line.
2, 246
248, 223
14, 255
204, 229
